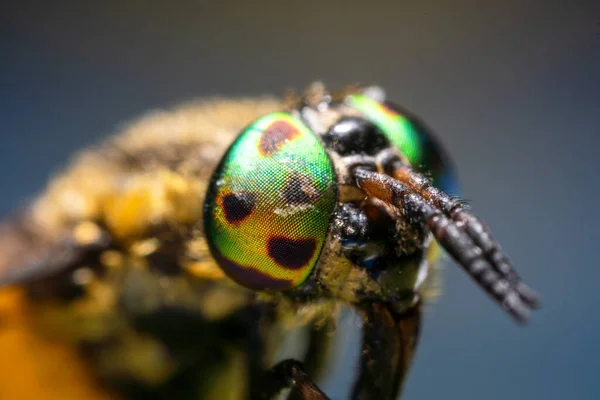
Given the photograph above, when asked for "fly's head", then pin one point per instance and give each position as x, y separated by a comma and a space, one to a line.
284, 211
330, 199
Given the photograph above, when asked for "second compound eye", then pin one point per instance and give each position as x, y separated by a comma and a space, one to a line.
353, 135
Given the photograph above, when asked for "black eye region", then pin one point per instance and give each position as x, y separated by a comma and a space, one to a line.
353, 135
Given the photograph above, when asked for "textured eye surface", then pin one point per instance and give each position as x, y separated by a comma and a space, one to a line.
269, 204
411, 137
399, 129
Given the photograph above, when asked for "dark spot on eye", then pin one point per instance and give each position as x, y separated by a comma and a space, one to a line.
275, 136
291, 253
248, 276
299, 190
237, 206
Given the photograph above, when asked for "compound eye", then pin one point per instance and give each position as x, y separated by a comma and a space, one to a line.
410, 135
400, 131
269, 204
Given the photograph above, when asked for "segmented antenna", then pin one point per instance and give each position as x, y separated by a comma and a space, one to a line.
451, 235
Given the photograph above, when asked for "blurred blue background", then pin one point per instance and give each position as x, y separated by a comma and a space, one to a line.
511, 87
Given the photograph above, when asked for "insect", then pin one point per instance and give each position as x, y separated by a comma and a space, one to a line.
176, 257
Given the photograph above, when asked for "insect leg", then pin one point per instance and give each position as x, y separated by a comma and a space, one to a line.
319, 349
448, 234
289, 374
388, 345
473, 226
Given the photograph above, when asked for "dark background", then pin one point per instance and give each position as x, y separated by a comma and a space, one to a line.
512, 88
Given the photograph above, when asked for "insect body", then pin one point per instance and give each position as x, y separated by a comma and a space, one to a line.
175, 264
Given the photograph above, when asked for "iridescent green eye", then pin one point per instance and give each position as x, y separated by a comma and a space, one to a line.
398, 129
269, 204
411, 137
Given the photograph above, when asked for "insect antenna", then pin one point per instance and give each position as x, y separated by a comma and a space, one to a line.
449, 234
473, 226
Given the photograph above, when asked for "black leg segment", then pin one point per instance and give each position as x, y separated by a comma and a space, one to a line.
389, 342
289, 374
